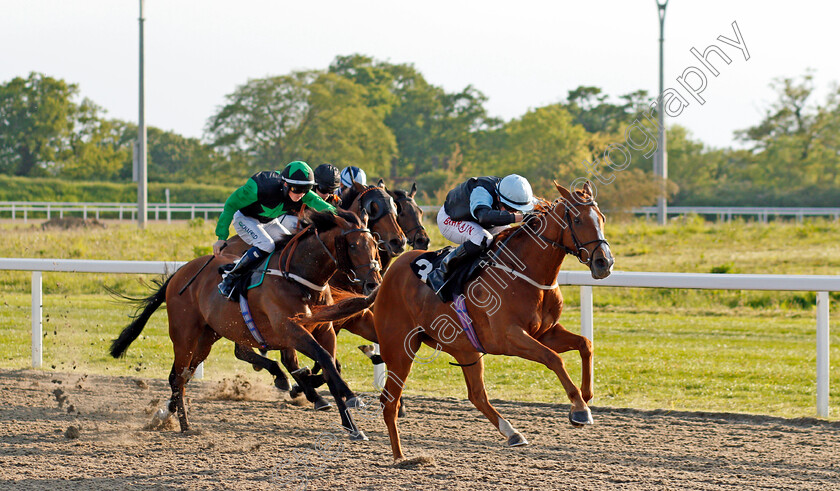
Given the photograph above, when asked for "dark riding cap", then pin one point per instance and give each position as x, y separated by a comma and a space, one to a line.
299, 176
327, 177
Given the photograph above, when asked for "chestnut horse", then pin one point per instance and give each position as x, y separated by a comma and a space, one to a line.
514, 304
201, 316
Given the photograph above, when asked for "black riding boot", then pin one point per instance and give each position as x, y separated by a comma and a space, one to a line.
456, 257
249, 261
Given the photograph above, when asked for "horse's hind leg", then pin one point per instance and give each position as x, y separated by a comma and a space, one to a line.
559, 340
184, 342
473, 368
247, 355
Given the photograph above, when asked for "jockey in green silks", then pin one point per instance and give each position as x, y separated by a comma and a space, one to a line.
264, 211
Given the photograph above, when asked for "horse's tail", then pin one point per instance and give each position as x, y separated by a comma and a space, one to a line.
348, 305
145, 308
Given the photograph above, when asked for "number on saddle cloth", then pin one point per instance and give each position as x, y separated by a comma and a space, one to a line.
425, 263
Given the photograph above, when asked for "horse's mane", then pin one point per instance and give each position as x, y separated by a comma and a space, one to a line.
543, 206
324, 221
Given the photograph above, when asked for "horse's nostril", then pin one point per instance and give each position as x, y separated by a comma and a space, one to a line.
369, 287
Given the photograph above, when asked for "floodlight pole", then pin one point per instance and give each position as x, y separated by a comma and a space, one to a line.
660, 161
142, 178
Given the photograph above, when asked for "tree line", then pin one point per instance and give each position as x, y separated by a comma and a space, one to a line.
388, 119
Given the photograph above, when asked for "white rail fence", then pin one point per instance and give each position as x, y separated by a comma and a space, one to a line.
121, 211
163, 211
821, 284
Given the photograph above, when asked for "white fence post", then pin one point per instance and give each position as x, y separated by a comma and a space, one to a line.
822, 354
37, 330
586, 320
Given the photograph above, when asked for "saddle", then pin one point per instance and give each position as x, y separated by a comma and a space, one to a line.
457, 280
248, 281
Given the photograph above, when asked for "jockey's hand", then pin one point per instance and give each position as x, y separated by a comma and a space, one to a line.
217, 247
518, 217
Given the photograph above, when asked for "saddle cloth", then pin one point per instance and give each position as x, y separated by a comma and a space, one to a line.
425, 263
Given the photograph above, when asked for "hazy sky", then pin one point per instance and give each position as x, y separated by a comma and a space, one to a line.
521, 54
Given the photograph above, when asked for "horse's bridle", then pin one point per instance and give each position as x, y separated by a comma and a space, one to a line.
383, 211
418, 228
580, 248
342, 263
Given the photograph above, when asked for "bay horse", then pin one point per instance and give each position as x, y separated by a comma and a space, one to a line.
383, 221
514, 304
382, 212
201, 316
410, 218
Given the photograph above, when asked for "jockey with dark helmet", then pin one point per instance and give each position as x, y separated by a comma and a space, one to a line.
327, 179
352, 174
474, 212
264, 211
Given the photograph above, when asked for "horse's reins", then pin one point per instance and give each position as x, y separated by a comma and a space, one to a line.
291, 247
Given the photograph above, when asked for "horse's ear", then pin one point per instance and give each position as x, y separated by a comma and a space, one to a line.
363, 216
358, 186
413, 190
381, 183
564, 193
587, 189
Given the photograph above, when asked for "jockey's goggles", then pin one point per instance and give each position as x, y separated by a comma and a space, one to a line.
299, 188
327, 189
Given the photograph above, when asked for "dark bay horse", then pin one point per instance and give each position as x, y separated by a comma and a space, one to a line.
382, 212
514, 304
201, 316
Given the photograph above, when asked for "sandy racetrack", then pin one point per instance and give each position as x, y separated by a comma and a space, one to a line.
269, 443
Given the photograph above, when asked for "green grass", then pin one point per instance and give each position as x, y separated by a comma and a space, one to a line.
655, 348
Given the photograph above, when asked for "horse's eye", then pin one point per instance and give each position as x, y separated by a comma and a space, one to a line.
352, 246
577, 220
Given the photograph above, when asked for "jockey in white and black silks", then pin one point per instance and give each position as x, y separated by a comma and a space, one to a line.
474, 212
263, 211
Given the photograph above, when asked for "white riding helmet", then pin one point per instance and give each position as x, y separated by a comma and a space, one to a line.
353, 173
515, 191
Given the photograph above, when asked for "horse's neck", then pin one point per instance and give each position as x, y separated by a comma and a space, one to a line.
310, 260
523, 253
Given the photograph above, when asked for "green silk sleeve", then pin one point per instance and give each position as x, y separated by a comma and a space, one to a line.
239, 199
315, 202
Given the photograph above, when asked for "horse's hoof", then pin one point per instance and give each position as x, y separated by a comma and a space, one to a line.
581, 418
517, 440
401, 411
322, 405
295, 391
282, 384
256, 368
354, 403
358, 436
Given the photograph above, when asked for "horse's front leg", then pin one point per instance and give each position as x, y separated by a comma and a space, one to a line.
560, 340
325, 336
521, 344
